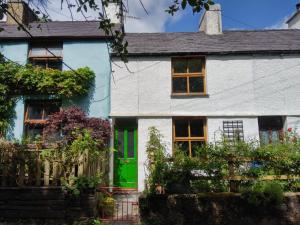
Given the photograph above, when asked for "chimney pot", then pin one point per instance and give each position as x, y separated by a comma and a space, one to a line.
298, 6
114, 12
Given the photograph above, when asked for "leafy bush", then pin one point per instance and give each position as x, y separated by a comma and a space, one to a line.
73, 121
106, 205
157, 164
17, 80
264, 194
75, 185
213, 166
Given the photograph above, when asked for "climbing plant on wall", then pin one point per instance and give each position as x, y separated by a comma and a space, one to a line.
17, 80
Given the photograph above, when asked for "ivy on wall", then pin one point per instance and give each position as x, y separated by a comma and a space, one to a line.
17, 80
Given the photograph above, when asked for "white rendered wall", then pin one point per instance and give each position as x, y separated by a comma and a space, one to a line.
164, 125
293, 122
215, 128
236, 85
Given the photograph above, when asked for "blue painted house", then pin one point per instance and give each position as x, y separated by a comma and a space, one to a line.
75, 45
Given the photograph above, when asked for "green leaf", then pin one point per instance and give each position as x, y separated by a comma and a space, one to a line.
206, 6
183, 4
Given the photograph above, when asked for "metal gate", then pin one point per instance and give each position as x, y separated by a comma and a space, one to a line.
125, 206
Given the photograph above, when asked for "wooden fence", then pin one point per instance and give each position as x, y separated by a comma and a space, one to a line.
28, 167
234, 178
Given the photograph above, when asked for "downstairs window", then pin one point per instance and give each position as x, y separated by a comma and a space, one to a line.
36, 115
189, 134
270, 129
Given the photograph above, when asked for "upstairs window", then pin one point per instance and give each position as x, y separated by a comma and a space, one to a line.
189, 134
41, 55
188, 76
36, 115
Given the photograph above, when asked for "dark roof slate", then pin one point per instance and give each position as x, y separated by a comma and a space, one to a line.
226, 43
57, 29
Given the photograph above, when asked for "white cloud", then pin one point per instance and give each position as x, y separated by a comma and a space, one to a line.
281, 24
155, 21
136, 19
58, 10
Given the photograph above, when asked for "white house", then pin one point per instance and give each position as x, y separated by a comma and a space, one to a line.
196, 87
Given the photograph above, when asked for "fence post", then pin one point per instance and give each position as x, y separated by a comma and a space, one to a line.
5, 169
231, 170
55, 173
22, 170
38, 170
46, 173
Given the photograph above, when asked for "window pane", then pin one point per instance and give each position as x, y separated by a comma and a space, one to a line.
179, 85
40, 63
195, 65
264, 137
182, 146
121, 143
197, 128
51, 108
270, 123
57, 51
54, 64
275, 136
38, 52
34, 132
181, 128
196, 147
180, 65
196, 84
35, 112
130, 149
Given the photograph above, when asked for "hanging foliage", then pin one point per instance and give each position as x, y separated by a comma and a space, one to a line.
17, 80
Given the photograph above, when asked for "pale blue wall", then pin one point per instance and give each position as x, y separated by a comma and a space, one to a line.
17, 52
95, 55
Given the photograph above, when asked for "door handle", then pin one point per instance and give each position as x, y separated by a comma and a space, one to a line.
126, 161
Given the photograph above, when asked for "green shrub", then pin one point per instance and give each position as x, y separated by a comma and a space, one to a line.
264, 194
106, 205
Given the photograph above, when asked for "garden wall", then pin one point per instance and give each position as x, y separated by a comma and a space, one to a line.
44, 205
217, 209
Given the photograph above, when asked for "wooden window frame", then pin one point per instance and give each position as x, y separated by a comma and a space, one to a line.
45, 59
189, 139
37, 122
187, 75
48, 56
270, 130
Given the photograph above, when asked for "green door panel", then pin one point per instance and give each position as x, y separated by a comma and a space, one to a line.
125, 157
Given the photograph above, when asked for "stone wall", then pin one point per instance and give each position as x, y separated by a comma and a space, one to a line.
217, 209
44, 205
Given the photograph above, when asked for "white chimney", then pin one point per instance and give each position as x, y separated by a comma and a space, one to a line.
211, 21
114, 12
294, 21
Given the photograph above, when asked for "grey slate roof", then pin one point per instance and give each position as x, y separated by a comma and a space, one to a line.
227, 43
58, 29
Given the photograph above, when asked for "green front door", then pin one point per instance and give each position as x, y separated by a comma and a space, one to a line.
125, 157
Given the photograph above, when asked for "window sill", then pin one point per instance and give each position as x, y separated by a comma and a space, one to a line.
190, 95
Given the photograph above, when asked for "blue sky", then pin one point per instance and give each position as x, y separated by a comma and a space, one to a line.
237, 14
243, 14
